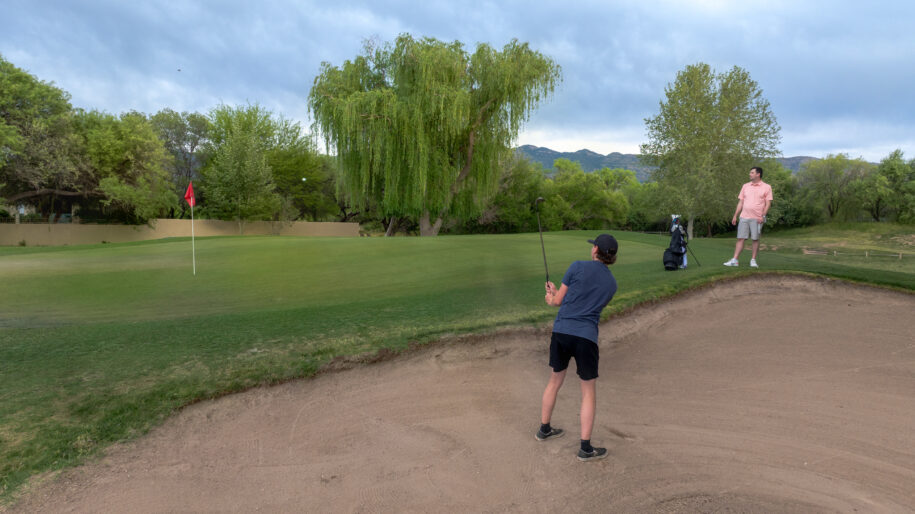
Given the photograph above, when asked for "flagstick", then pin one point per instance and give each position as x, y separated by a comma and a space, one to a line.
193, 247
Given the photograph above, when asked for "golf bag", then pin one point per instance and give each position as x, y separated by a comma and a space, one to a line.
671, 261
675, 254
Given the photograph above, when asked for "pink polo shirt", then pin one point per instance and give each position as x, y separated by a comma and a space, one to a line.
754, 198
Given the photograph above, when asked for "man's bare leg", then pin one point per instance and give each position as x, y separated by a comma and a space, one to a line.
588, 405
739, 248
549, 395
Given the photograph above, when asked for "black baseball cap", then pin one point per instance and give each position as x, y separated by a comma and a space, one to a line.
605, 243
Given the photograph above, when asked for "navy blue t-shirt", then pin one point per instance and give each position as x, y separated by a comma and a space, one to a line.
590, 288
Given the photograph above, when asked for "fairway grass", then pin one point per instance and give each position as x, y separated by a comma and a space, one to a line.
99, 343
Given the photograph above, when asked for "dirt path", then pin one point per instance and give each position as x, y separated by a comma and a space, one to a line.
775, 394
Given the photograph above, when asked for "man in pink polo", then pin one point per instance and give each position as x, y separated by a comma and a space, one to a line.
755, 198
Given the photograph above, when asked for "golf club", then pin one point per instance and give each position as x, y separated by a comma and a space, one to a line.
537, 203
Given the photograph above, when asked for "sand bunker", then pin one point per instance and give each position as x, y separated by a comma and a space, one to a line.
770, 394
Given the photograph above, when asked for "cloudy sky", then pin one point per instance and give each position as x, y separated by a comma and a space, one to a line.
840, 76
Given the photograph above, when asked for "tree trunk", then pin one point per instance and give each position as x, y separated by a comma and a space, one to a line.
875, 213
426, 228
346, 216
392, 227
689, 227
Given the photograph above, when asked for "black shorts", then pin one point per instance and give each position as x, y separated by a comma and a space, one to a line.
564, 346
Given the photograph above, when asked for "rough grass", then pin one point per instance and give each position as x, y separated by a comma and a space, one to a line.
868, 246
99, 343
885, 237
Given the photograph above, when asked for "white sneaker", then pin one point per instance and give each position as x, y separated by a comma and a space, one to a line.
732, 262
753, 263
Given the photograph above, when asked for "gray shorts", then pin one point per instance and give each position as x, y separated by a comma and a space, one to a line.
748, 228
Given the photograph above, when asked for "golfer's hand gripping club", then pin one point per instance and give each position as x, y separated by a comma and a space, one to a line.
550, 293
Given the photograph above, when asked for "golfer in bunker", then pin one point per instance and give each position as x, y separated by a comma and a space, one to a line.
587, 288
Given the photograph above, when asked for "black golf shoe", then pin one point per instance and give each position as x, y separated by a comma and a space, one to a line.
554, 434
596, 454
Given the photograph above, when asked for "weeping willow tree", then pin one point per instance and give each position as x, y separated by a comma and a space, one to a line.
419, 126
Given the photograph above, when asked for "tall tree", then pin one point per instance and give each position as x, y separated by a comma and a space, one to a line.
585, 200
252, 119
829, 183
899, 179
55, 158
38, 160
638, 203
617, 179
184, 135
305, 181
645, 212
302, 180
906, 209
510, 209
256, 162
520, 184
238, 181
710, 130
127, 161
873, 192
791, 209
420, 125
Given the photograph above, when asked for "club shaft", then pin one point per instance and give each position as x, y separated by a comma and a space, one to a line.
542, 248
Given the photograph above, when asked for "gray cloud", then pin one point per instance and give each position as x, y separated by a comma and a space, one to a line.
837, 74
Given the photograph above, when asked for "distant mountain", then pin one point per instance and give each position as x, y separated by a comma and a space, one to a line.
794, 163
591, 161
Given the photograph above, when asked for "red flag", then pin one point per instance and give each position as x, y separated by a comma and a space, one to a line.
189, 194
